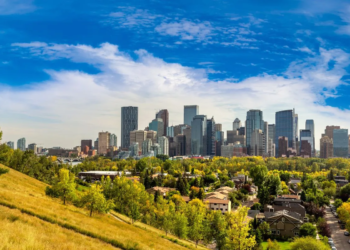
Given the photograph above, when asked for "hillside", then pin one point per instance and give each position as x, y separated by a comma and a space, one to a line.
31, 229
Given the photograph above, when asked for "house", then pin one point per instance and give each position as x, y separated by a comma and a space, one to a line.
290, 207
294, 182
216, 204
280, 200
186, 199
340, 181
163, 190
253, 214
289, 197
220, 193
284, 223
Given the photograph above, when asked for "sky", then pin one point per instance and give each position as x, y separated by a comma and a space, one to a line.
67, 67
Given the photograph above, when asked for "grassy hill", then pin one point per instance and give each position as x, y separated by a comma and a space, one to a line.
37, 221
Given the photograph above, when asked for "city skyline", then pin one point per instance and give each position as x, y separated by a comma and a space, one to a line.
66, 81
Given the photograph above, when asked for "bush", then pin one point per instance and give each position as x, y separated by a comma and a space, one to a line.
49, 191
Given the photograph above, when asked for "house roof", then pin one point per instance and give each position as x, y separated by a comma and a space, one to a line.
211, 201
290, 196
285, 213
253, 213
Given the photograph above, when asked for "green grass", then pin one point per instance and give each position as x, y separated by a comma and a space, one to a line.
284, 245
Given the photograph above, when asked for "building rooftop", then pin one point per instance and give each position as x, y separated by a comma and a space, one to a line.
211, 201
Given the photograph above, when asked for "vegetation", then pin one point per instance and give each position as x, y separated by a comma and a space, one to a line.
308, 243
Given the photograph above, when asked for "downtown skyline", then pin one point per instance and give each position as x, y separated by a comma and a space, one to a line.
66, 80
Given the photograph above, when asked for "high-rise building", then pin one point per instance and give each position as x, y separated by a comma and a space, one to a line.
227, 150
282, 146
296, 127
190, 111
170, 131
156, 149
129, 122
33, 147
211, 140
326, 147
85, 143
218, 127
254, 121
310, 125
134, 149
271, 136
146, 146
158, 126
180, 144
266, 138
233, 136
11, 144
138, 136
306, 135
341, 143
219, 136
113, 140
305, 148
96, 144
257, 143
164, 145
103, 142
236, 124
164, 115
198, 135
241, 131
152, 135
187, 134
329, 131
179, 129
21, 144
285, 127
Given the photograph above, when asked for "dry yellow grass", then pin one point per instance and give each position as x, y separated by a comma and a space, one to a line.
25, 192
20, 231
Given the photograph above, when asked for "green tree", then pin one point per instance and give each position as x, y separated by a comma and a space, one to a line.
216, 229
3, 171
196, 211
338, 203
272, 245
95, 201
66, 185
307, 229
308, 243
258, 173
180, 225
134, 212
238, 237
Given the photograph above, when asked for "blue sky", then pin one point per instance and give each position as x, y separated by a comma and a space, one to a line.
67, 67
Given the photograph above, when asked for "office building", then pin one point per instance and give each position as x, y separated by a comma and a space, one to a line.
271, 149
84, 144
134, 149
329, 131
33, 147
138, 136
218, 127
211, 140
129, 122
164, 115
146, 146
254, 121
190, 111
11, 144
233, 136
103, 142
282, 146
179, 129
326, 147
180, 144
340, 143
310, 125
236, 124
96, 144
187, 134
152, 135
219, 136
266, 138
170, 131
285, 126
257, 143
158, 126
198, 135
239, 149
241, 131
21, 144
306, 135
227, 150
113, 140
305, 148
296, 127
156, 149
271, 139
164, 145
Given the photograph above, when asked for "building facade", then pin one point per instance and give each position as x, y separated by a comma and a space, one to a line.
158, 126
282, 146
254, 121
138, 136
86, 143
198, 135
190, 111
257, 143
341, 143
211, 139
187, 134
164, 115
129, 122
21, 144
180, 144
146, 146
11, 144
103, 142
164, 145
306, 135
326, 147
310, 125
33, 147
236, 124
113, 140
285, 126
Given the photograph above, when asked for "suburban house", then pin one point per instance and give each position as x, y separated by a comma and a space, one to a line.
294, 182
163, 190
220, 193
284, 223
340, 181
216, 204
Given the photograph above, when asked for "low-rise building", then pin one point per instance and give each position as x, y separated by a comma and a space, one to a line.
284, 223
163, 190
216, 204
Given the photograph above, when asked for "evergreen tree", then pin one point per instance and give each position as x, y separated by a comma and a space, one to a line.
331, 175
303, 196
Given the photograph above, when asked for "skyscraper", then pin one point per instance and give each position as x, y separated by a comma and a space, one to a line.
326, 147
340, 143
129, 122
11, 144
257, 143
103, 142
134, 149
138, 136
310, 125
164, 145
218, 127
254, 121
85, 143
282, 146
271, 136
113, 140
21, 144
190, 111
285, 127
96, 144
146, 146
198, 135
180, 144
266, 138
164, 115
306, 135
152, 135
329, 131
158, 126
211, 140
170, 131
187, 134
236, 124
33, 147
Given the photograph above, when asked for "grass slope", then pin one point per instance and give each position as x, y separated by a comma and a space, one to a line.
28, 193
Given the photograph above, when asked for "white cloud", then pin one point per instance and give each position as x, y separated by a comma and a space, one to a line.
10, 7
131, 17
74, 105
345, 16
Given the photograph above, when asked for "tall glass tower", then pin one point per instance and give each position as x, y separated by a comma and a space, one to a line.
254, 121
190, 111
199, 135
285, 125
340, 143
310, 125
211, 137
129, 122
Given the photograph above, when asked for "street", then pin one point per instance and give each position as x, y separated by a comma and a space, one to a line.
339, 239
